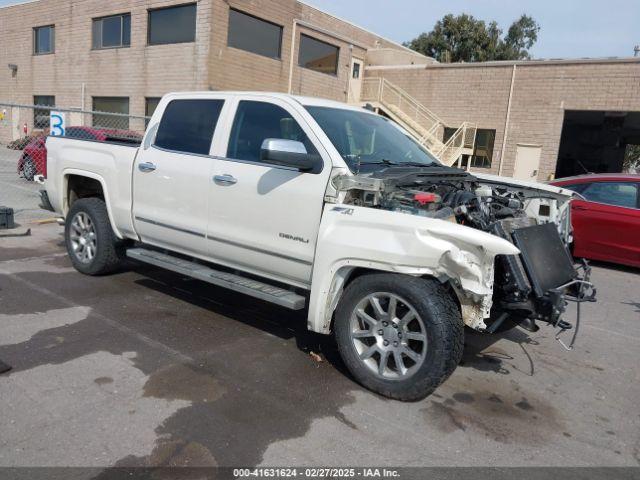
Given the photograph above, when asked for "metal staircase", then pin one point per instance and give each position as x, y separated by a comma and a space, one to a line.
421, 122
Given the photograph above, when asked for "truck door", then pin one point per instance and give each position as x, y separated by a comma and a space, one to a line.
171, 176
264, 218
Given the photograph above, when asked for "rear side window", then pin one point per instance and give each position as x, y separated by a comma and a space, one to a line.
621, 194
188, 125
257, 121
74, 132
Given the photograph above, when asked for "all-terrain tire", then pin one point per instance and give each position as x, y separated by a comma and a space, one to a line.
441, 319
109, 252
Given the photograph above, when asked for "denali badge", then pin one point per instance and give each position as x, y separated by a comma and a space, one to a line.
291, 237
343, 210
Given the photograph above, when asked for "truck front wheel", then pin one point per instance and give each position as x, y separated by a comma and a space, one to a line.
398, 335
92, 246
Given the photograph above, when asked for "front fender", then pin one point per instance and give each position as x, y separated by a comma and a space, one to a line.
353, 237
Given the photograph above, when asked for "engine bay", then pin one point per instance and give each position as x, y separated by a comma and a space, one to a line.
443, 193
497, 208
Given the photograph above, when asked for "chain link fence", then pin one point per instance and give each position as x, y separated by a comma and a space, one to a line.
23, 152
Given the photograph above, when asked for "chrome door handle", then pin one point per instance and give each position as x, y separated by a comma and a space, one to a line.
146, 167
225, 179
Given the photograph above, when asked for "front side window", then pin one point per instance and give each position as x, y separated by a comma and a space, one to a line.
254, 35
257, 121
44, 40
111, 105
41, 116
369, 142
112, 32
318, 55
621, 194
172, 25
188, 125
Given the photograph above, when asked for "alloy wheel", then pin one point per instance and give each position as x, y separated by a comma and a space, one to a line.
84, 240
388, 335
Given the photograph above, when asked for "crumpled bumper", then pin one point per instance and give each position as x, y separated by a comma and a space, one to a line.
579, 290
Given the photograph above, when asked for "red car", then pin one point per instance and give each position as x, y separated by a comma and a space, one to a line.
606, 221
33, 160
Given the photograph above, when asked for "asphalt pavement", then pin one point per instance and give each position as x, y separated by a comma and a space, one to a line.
146, 367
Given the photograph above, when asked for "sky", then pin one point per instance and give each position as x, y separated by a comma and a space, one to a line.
569, 28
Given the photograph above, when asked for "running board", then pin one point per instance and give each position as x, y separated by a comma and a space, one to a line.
248, 286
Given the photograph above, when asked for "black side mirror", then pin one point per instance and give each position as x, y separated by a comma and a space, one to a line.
288, 153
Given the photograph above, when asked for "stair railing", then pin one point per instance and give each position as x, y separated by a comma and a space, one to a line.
419, 119
451, 151
383, 91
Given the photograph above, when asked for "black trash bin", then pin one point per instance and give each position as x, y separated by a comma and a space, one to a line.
6, 218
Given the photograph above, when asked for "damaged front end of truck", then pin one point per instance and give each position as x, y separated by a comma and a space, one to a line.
497, 288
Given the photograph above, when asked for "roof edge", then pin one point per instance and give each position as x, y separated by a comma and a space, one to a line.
508, 63
19, 4
304, 2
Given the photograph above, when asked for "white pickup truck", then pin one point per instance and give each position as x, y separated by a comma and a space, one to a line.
314, 204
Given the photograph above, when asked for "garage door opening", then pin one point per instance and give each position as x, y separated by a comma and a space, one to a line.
599, 142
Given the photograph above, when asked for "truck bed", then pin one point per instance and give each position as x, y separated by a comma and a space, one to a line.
109, 162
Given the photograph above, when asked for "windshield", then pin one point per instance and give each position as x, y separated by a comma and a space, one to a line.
369, 142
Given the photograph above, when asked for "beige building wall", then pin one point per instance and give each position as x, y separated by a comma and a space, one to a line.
142, 70
542, 92
136, 71
231, 68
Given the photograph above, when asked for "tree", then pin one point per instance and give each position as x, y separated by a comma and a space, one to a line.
631, 159
464, 38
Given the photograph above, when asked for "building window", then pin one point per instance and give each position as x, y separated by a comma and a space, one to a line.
111, 105
483, 148
172, 25
188, 125
448, 133
317, 55
253, 34
44, 40
41, 115
355, 74
150, 105
112, 32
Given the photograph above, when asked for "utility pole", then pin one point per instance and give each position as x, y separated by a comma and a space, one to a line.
636, 50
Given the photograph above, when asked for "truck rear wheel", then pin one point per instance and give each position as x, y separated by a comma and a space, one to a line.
92, 246
398, 335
